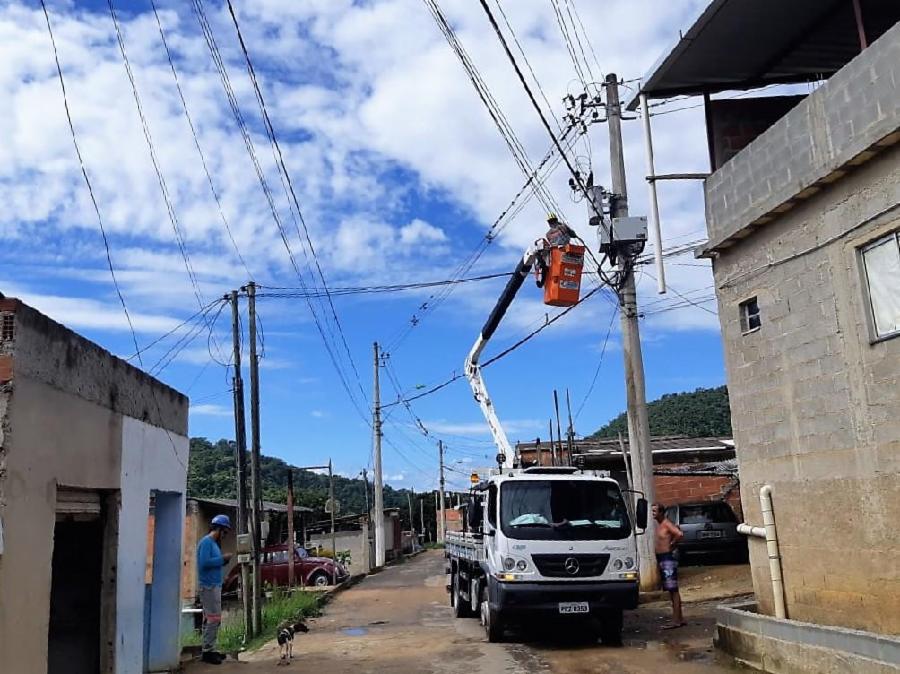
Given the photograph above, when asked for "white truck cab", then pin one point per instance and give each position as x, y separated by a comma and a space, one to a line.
546, 542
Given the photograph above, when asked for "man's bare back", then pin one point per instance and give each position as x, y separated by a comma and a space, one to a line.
667, 535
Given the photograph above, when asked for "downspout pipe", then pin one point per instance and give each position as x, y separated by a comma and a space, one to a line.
769, 532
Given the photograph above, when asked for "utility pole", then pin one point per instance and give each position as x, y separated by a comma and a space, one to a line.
290, 526
437, 521
558, 429
412, 522
422, 515
240, 458
333, 508
638, 423
443, 520
379, 494
365, 476
256, 481
571, 432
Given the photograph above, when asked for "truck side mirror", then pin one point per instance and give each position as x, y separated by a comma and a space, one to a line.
640, 514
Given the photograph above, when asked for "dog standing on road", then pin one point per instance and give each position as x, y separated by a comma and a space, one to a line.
286, 640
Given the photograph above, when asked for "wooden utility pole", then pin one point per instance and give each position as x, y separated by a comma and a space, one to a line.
256, 479
365, 476
240, 457
379, 494
333, 538
558, 428
443, 519
638, 423
422, 515
290, 526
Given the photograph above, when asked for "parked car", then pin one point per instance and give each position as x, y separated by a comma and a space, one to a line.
710, 529
308, 570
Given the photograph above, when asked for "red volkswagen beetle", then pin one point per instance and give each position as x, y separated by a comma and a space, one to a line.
317, 571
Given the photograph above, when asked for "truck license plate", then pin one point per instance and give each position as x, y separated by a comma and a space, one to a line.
574, 607
710, 534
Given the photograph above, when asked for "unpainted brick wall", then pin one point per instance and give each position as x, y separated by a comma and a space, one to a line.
673, 489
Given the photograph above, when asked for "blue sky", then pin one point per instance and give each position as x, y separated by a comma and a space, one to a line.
399, 172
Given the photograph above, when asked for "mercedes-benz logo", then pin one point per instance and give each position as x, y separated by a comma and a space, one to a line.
571, 566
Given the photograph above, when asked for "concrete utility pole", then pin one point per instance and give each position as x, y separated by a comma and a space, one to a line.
443, 519
422, 515
638, 423
240, 456
256, 481
379, 494
412, 522
290, 526
558, 429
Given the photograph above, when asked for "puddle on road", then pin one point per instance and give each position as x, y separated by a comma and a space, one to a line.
355, 631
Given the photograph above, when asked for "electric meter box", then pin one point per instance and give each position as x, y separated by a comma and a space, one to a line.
624, 230
243, 543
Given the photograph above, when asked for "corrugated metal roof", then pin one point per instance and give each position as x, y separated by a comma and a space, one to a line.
268, 506
744, 44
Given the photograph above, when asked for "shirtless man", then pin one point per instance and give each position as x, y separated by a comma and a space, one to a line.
667, 537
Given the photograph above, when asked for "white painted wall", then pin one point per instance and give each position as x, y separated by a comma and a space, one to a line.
152, 459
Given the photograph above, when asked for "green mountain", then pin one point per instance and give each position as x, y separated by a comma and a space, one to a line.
211, 474
701, 413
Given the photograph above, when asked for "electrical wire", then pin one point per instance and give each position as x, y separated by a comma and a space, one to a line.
590, 390
190, 121
273, 137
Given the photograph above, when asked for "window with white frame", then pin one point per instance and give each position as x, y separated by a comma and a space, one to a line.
750, 319
881, 265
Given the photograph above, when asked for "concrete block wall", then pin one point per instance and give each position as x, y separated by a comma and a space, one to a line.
854, 109
815, 401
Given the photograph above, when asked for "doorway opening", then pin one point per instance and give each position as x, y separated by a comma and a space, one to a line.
81, 612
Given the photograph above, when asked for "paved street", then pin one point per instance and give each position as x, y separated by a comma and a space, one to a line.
399, 621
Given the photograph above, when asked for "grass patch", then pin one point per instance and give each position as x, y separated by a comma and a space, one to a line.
434, 546
281, 608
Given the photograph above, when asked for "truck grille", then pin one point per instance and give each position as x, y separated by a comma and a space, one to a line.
562, 566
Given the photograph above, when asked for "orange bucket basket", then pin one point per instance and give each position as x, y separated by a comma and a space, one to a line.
563, 285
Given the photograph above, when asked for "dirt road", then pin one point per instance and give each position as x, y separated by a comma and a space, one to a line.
399, 621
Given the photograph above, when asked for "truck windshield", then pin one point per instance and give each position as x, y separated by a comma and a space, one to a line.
563, 510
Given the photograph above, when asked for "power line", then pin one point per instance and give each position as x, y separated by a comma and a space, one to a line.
293, 292
270, 129
200, 152
590, 390
87, 182
164, 190
218, 62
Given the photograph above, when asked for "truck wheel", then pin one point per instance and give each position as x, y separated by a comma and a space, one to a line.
475, 597
611, 628
460, 605
490, 619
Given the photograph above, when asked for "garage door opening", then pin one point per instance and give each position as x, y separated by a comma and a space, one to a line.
81, 613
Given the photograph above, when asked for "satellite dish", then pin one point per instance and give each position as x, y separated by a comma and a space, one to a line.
337, 506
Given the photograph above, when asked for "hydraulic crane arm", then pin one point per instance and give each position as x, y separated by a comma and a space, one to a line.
473, 369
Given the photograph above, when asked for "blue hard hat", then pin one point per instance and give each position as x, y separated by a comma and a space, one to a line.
221, 521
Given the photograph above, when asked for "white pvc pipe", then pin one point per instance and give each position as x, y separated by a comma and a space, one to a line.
654, 201
769, 532
765, 502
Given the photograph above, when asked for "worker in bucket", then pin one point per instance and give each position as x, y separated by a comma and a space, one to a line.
210, 564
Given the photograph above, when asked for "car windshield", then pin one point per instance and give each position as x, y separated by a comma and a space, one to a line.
563, 510
706, 513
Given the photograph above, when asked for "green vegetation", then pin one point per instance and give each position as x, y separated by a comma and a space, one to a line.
279, 609
211, 474
701, 413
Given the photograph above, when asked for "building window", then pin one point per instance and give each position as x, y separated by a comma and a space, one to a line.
881, 264
750, 320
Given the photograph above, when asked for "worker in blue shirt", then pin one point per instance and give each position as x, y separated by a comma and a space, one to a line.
210, 563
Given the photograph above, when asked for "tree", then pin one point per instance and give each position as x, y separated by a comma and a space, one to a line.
704, 412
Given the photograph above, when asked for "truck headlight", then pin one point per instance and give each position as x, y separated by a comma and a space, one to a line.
617, 565
629, 563
509, 563
521, 565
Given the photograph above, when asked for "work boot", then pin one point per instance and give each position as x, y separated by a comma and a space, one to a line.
211, 657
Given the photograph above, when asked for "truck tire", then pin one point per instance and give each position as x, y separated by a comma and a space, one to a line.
490, 619
475, 597
460, 603
611, 628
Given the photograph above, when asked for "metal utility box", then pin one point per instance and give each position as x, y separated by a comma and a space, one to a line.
624, 230
563, 284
